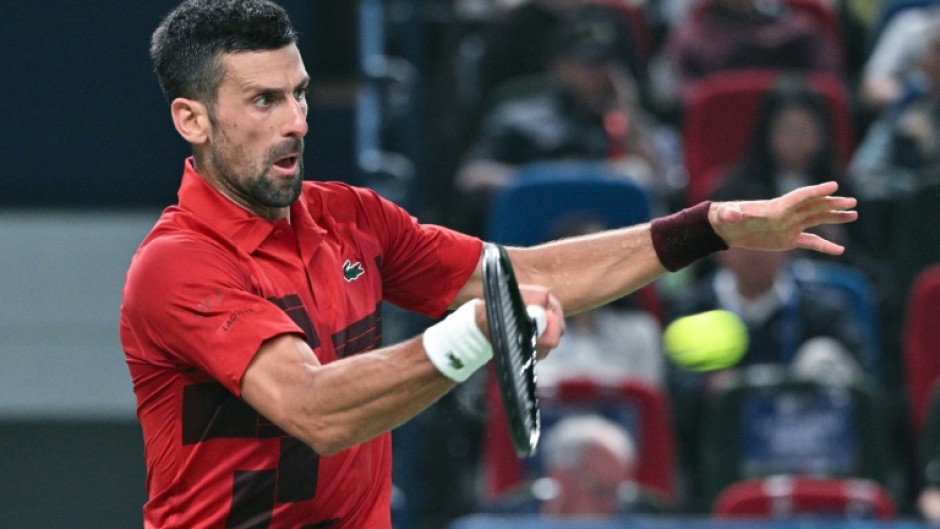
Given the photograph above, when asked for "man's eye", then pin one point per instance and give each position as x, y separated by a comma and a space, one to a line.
300, 94
263, 101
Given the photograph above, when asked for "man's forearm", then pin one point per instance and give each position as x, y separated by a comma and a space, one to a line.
333, 406
587, 271
591, 270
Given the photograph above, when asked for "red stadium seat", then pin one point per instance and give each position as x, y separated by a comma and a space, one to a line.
721, 110
826, 16
640, 408
786, 496
921, 343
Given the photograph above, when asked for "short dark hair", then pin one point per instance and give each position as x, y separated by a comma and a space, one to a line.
187, 45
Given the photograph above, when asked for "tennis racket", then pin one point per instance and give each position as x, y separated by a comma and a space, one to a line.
513, 333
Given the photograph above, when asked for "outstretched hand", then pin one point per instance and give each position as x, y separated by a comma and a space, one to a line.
782, 223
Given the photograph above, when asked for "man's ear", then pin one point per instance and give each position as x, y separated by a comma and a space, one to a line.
191, 119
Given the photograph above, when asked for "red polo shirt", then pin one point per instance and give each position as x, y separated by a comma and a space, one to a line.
208, 285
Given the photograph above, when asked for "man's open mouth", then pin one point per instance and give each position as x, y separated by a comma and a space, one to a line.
288, 162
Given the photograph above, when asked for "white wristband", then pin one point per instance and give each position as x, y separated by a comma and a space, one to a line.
456, 345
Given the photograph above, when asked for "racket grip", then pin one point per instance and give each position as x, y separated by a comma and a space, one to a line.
537, 313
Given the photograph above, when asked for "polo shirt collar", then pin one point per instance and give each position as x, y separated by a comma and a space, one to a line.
246, 230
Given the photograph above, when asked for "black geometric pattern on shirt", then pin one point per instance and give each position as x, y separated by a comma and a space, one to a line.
252, 504
325, 524
293, 306
211, 412
360, 336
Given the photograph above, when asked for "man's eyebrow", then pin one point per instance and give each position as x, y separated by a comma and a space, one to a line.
262, 89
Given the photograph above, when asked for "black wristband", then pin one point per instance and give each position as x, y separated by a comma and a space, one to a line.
685, 237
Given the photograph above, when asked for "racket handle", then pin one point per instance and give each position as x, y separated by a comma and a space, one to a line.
537, 313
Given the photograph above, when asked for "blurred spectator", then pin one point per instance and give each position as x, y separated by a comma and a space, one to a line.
893, 67
722, 35
902, 148
792, 143
782, 315
809, 327
520, 41
607, 344
928, 501
900, 154
590, 459
585, 108
589, 466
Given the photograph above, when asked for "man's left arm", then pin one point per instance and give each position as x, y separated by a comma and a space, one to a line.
588, 271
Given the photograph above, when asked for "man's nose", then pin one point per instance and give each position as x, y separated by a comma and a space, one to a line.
296, 124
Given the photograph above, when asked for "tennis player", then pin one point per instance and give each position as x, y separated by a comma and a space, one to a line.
250, 319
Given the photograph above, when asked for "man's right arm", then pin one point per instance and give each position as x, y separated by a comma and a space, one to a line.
334, 406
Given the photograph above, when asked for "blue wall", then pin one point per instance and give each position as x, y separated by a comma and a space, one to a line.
82, 119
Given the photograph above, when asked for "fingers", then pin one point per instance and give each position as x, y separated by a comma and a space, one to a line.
811, 241
554, 326
803, 194
827, 203
830, 217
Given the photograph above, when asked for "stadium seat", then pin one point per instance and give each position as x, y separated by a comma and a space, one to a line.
824, 14
764, 422
543, 193
789, 496
639, 407
721, 110
525, 212
921, 344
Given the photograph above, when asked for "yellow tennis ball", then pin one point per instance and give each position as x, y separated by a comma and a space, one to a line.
709, 340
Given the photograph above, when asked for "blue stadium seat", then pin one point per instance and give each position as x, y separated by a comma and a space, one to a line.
524, 213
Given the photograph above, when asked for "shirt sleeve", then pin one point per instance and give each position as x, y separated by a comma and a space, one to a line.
423, 265
190, 305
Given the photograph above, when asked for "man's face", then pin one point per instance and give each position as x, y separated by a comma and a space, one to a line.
795, 138
593, 487
255, 145
591, 82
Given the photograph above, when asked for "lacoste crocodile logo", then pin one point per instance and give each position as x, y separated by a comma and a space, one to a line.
352, 271
454, 362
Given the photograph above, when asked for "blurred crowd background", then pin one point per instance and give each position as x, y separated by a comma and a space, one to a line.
522, 121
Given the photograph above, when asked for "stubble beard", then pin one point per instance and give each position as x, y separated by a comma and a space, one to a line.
254, 185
